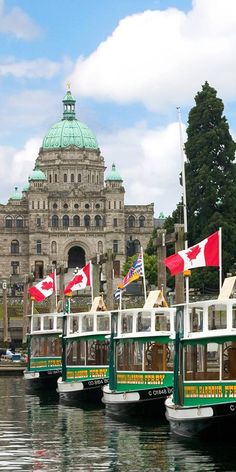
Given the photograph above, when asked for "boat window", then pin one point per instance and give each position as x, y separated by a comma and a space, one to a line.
73, 320
234, 316
229, 360
217, 317
162, 321
47, 322
196, 319
49, 346
97, 352
126, 323
143, 322
158, 356
129, 355
103, 323
202, 362
36, 323
87, 323
75, 353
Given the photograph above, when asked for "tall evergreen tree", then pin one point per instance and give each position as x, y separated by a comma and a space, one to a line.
211, 177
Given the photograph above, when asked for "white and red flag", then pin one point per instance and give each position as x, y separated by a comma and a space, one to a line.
205, 253
43, 289
81, 280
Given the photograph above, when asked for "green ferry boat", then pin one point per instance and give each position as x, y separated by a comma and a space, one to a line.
204, 398
141, 361
85, 356
44, 351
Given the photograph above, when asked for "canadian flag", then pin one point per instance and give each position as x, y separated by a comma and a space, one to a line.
81, 280
205, 253
43, 289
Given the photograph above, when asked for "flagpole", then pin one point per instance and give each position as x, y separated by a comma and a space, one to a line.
91, 272
120, 300
144, 280
184, 200
55, 282
220, 258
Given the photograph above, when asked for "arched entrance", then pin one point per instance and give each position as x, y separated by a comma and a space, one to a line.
76, 257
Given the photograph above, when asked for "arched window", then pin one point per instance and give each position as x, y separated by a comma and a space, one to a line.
141, 221
54, 206
65, 178
100, 247
19, 222
55, 178
131, 221
87, 221
76, 220
8, 222
72, 178
55, 221
137, 246
65, 221
15, 247
79, 177
98, 221
38, 246
54, 247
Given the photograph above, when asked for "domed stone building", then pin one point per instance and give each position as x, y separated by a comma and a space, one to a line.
66, 213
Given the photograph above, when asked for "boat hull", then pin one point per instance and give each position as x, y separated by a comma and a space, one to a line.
141, 403
214, 420
83, 391
41, 380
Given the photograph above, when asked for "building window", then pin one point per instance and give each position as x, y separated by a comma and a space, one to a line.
120, 205
131, 221
109, 205
44, 204
72, 178
65, 178
86, 206
55, 221
100, 247
8, 222
97, 179
32, 205
38, 222
54, 247
55, 178
15, 247
97, 205
76, 205
115, 222
114, 205
115, 246
54, 206
65, 221
50, 178
15, 266
38, 205
141, 221
65, 206
98, 221
19, 222
87, 221
79, 177
76, 220
38, 247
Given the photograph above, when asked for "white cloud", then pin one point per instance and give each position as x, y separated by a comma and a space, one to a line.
16, 166
149, 161
38, 68
162, 58
17, 23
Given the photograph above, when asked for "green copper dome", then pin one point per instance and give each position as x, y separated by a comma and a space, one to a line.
26, 188
69, 131
16, 195
37, 174
114, 175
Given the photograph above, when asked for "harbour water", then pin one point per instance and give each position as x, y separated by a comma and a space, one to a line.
37, 433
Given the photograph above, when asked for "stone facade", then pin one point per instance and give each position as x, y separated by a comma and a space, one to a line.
68, 213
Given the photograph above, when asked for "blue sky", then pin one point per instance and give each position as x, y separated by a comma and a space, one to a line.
130, 64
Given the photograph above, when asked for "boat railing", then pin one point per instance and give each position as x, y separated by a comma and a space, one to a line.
88, 323
145, 322
46, 323
210, 318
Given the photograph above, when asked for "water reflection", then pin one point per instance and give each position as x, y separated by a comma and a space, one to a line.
37, 433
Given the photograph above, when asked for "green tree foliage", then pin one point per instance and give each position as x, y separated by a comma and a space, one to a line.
151, 248
210, 179
150, 267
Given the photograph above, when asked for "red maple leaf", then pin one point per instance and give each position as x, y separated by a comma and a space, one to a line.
79, 279
193, 252
47, 285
